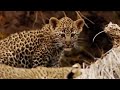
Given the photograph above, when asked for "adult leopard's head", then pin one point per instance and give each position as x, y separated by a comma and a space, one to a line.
67, 30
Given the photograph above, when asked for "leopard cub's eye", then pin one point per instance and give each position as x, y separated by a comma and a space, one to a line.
73, 34
62, 35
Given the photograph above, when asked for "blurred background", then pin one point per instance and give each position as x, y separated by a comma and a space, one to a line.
15, 21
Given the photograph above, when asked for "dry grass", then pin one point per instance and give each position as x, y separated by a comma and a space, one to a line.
107, 67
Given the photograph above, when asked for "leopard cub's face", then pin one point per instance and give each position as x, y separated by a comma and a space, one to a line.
67, 30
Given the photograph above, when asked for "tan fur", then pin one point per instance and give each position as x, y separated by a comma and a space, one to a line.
8, 72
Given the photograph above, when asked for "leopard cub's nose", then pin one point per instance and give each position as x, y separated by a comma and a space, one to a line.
68, 43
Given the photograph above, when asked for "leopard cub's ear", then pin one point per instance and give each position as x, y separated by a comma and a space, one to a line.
53, 22
79, 23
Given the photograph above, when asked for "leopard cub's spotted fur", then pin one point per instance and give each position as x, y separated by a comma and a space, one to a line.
40, 47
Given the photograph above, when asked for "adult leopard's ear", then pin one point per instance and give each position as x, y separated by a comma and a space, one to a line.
79, 23
53, 22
